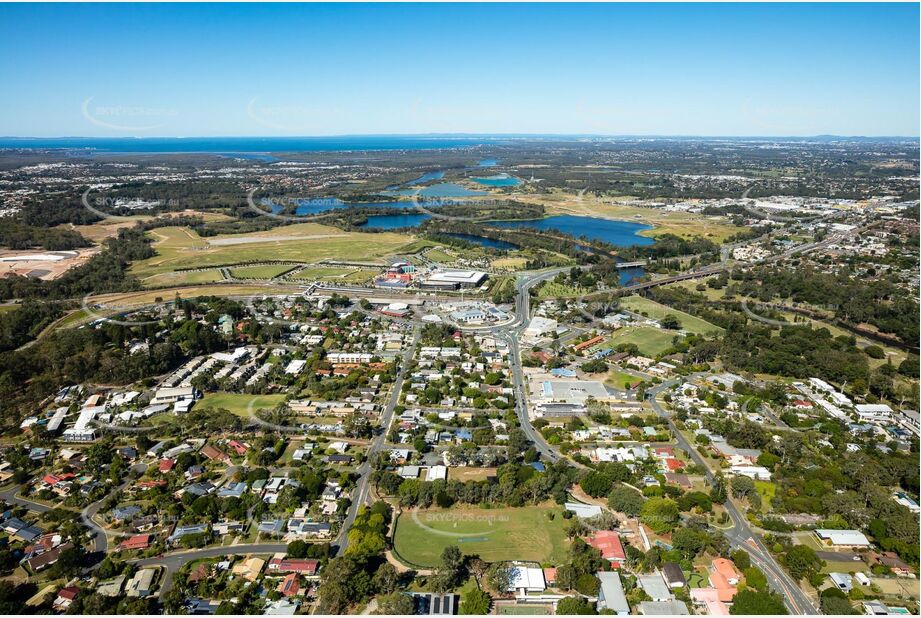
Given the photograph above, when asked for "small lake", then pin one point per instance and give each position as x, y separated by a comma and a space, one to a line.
483, 241
393, 222
427, 177
617, 233
488, 162
499, 180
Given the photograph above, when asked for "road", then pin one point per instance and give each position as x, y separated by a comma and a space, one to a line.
98, 533
171, 563
741, 535
360, 493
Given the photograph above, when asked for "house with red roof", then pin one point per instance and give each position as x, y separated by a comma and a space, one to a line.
138, 541
609, 544
166, 465
214, 454
304, 567
238, 447
65, 597
290, 586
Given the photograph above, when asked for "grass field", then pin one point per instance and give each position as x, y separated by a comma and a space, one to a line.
657, 311
524, 533
438, 255
262, 271
617, 379
123, 300
335, 273
179, 247
464, 474
510, 263
650, 341
552, 289
239, 403
183, 278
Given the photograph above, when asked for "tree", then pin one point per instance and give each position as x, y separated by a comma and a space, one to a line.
670, 322
297, 549
395, 603
741, 559
596, 484
689, 542
499, 576
626, 500
385, 579
451, 571
574, 606
660, 514
755, 578
801, 562
475, 603
742, 486
752, 602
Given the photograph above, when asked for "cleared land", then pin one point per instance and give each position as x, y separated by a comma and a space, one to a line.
525, 533
656, 311
464, 474
238, 403
552, 289
179, 247
335, 273
650, 341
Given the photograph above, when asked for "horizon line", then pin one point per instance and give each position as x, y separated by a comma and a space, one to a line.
460, 135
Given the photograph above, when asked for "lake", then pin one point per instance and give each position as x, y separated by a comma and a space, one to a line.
499, 180
318, 206
392, 222
483, 241
617, 233
488, 162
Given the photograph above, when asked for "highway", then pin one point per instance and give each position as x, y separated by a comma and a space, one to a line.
741, 535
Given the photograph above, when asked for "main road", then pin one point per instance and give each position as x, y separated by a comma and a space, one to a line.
740, 535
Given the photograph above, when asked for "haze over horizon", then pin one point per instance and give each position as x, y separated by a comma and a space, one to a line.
653, 70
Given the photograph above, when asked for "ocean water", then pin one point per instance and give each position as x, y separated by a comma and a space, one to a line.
236, 146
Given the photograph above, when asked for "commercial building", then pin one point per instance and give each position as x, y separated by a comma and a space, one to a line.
454, 280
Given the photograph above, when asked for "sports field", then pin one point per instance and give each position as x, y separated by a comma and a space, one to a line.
180, 247
190, 277
656, 311
650, 341
238, 403
525, 533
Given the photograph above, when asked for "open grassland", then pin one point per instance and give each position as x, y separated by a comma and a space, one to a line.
262, 271
510, 263
656, 311
180, 247
650, 341
525, 533
183, 278
238, 403
683, 224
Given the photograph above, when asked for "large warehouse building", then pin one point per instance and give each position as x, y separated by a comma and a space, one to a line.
454, 280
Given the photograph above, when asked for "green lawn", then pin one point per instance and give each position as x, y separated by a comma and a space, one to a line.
650, 341
657, 311
767, 490
183, 278
618, 378
239, 403
494, 534
262, 271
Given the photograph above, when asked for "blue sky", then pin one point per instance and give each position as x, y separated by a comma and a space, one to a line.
658, 69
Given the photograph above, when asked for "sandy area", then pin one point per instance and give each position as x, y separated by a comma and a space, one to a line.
46, 269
